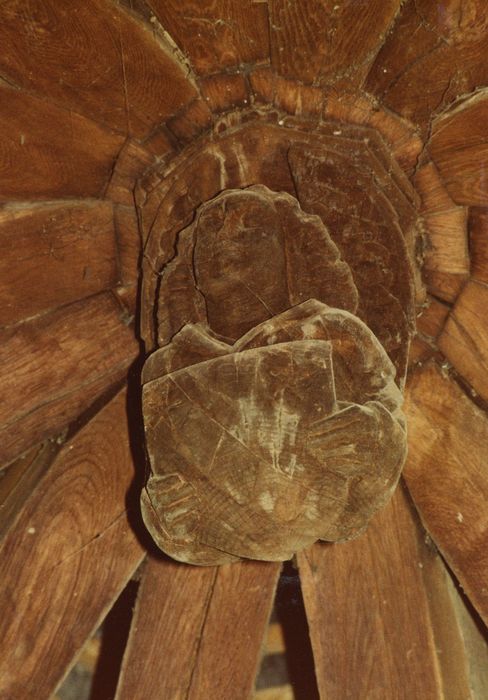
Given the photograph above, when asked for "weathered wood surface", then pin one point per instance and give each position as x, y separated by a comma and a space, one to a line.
48, 152
53, 254
197, 633
19, 479
430, 324
372, 627
459, 147
56, 365
327, 42
67, 557
218, 34
131, 163
446, 475
434, 53
464, 339
446, 264
128, 243
97, 60
478, 243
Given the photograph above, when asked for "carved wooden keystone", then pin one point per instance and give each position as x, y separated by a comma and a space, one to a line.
272, 410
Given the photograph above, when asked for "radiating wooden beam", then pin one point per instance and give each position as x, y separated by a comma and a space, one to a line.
328, 42
216, 35
49, 152
197, 632
67, 557
97, 60
56, 365
53, 254
372, 628
447, 476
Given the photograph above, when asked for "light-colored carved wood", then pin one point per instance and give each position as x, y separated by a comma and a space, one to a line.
446, 475
67, 557
459, 148
464, 339
54, 254
372, 627
56, 365
197, 632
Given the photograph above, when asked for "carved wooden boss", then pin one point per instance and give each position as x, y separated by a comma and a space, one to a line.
278, 301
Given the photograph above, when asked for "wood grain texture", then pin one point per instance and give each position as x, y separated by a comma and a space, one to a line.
197, 632
446, 257
216, 34
128, 243
131, 163
459, 148
368, 612
53, 254
97, 60
328, 42
48, 152
69, 554
55, 366
19, 479
449, 489
434, 53
225, 91
430, 324
464, 339
478, 243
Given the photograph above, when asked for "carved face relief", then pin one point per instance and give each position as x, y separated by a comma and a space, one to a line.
272, 410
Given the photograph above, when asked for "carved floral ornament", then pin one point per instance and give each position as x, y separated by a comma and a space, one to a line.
278, 300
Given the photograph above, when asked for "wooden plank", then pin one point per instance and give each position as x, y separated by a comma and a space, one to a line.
131, 163
216, 35
447, 248
433, 54
56, 365
49, 152
19, 480
197, 632
128, 243
225, 91
430, 323
368, 612
68, 556
459, 148
464, 339
328, 42
446, 475
96, 59
478, 243
53, 254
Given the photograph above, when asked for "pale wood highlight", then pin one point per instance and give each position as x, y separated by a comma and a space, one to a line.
56, 365
464, 340
68, 556
197, 632
218, 34
459, 148
53, 254
328, 42
446, 475
96, 59
369, 614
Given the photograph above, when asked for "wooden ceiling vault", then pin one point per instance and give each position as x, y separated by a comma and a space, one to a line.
95, 93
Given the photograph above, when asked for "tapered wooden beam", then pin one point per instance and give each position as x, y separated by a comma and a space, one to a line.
328, 42
56, 365
197, 632
97, 60
53, 254
216, 35
447, 477
51, 152
67, 557
372, 628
